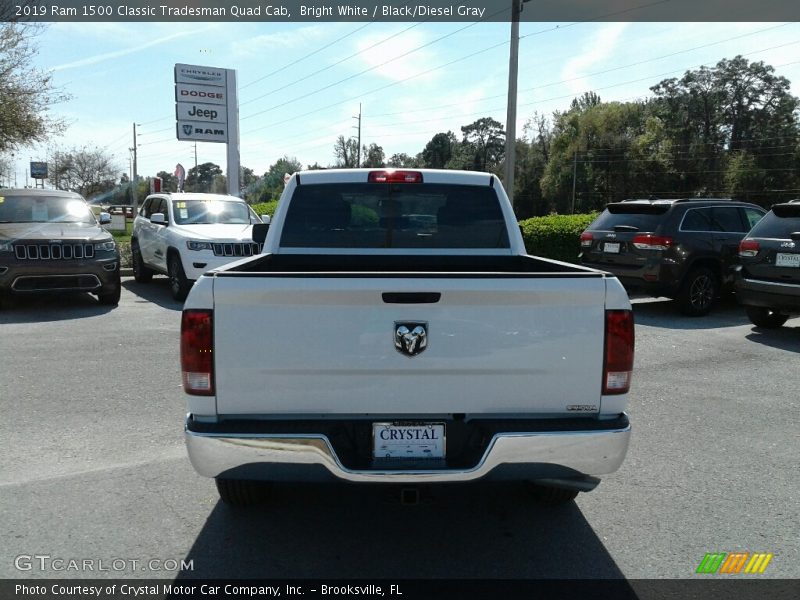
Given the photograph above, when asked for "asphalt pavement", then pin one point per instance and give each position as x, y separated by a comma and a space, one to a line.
93, 466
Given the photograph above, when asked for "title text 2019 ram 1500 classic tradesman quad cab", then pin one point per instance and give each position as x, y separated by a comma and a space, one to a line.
394, 330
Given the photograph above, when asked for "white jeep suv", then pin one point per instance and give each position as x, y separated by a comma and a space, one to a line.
184, 235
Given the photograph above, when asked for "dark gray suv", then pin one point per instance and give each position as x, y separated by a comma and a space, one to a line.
768, 280
50, 241
683, 249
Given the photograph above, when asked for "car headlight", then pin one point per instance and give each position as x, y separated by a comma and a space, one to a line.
6, 247
107, 246
193, 245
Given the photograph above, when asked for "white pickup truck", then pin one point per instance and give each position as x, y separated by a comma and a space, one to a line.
394, 330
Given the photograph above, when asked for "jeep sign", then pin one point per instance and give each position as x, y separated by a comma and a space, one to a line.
208, 113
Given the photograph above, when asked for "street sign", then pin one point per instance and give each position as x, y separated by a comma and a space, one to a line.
206, 110
38, 170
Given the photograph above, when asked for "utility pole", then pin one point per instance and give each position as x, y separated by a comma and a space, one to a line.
511, 111
358, 150
195, 159
574, 177
135, 177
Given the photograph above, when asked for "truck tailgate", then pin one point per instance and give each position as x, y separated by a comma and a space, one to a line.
324, 344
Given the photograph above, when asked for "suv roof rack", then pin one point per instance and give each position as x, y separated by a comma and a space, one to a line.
704, 199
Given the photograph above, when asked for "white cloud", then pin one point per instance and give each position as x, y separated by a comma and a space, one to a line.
599, 49
97, 58
283, 40
397, 53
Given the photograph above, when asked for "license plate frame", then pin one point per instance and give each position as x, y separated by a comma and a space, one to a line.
611, 247
784, 259
412, 446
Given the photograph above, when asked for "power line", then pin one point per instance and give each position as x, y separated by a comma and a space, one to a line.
583, 76
318, 71
302, 58
572, 95
348, 78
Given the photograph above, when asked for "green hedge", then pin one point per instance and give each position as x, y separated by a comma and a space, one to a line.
265, 208
555, 236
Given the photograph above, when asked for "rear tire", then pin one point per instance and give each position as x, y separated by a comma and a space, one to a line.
141, 274
697, 294
552, 496
765, 317
178, 284
242, 492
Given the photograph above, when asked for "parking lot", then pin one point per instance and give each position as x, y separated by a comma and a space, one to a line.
93, 465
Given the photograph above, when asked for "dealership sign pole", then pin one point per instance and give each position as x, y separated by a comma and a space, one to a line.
207, 110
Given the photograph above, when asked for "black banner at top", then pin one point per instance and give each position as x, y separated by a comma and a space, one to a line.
282, 11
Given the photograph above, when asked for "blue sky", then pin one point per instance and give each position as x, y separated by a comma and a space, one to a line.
119, 73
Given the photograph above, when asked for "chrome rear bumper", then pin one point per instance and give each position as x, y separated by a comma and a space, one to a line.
554, 456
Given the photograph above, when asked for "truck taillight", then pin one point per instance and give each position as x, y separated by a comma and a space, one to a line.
392, 176
648, 241
618, 360
586, 239
748, 248
197, 358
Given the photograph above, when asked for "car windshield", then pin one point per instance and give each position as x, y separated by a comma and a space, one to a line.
191, 212
44, 209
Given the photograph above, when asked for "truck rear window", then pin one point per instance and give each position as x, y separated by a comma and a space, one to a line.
406, 215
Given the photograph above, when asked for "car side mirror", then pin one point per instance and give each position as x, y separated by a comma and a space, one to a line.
158, 219
260, 232
105, 218
266, 219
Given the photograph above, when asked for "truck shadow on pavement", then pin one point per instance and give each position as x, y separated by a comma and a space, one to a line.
47, 308
661, 312
341, 531
156, 291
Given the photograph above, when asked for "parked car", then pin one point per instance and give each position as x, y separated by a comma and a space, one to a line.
394, 330
121, 210
683, 249
183, 235
768, 280
50, 241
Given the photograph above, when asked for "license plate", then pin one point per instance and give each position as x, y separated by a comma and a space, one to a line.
787, 260
611, 248
408, 440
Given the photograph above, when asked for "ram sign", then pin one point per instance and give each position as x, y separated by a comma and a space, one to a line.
202, 132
